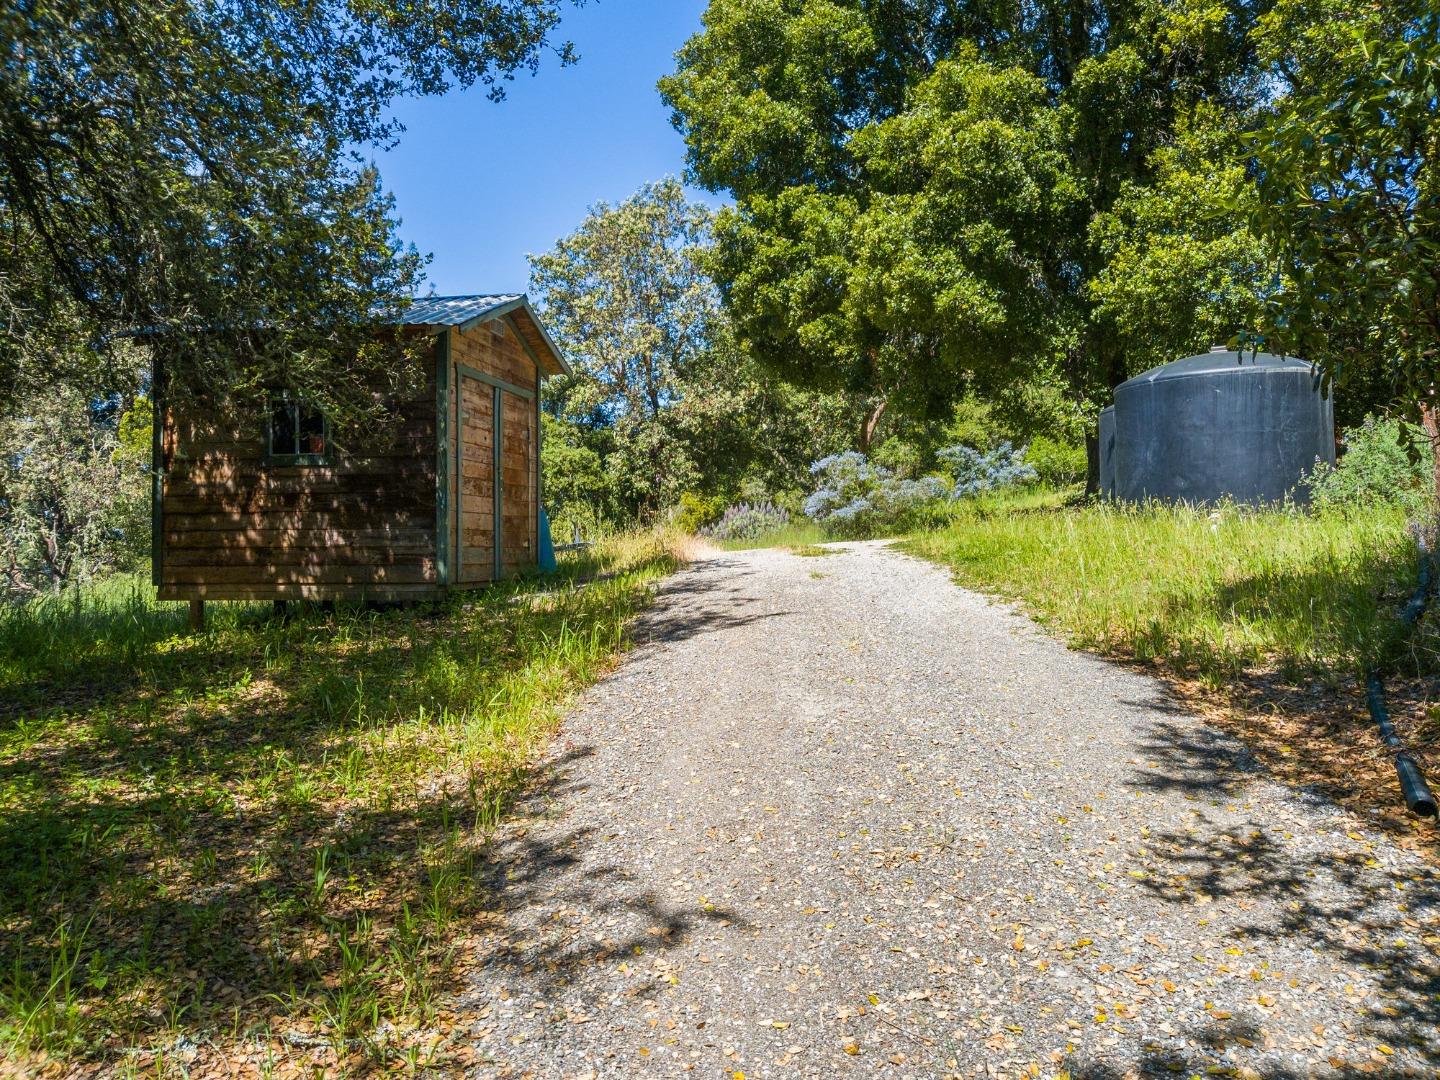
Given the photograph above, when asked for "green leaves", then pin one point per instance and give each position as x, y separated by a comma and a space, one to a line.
1179, 270
769, 93
196, 169
1346, 194
661, 400
927, 198
74, 487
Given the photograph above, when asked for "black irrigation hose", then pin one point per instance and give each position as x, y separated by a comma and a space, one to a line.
1418, 796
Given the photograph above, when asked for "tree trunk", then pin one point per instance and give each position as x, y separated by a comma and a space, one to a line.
1430, 421
870, 423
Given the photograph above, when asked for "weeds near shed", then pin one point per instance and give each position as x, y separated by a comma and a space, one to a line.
41, 1003
273, 824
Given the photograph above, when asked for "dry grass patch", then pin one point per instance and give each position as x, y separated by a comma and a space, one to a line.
1322, 738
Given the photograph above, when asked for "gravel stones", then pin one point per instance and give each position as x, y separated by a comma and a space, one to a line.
837, 816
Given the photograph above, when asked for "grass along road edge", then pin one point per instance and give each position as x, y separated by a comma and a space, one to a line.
263, 844
1262, 620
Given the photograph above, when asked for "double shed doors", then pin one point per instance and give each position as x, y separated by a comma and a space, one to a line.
496, 477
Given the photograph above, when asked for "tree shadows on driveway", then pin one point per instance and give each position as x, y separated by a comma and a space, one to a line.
713, 595
1341, 895
562, 911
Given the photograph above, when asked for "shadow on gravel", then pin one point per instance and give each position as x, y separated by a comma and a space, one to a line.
1336, 904
712, 596
1320, 737
1311, 734
1189, 759
1170, 1065
564, 912
1340, 903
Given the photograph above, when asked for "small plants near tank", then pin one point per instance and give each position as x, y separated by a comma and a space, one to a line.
747, 521
1377, 467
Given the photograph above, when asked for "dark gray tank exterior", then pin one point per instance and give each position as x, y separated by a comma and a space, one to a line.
1221, 424
1107, 452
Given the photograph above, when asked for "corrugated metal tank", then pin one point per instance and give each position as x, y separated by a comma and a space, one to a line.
1221, 424
1107, 452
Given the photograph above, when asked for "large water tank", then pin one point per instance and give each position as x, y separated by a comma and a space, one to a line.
1221, 424
1107, 452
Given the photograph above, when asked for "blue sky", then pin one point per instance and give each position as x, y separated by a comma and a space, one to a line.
479, 185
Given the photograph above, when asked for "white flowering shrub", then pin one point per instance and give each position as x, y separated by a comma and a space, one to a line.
855, 496
979, 471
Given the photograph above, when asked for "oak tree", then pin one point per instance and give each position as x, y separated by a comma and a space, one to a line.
920, 187
199, 170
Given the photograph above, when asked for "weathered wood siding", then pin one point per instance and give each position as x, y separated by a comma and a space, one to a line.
236, 527
517, 457
493, 350
477, 481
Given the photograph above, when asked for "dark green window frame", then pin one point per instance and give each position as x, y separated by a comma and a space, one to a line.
303, 419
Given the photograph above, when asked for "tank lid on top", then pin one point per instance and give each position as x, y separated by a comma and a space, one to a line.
1218, 361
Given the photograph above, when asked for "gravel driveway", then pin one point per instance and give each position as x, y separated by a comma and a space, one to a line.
838, 817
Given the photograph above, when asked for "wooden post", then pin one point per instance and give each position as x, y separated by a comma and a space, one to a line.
197, 613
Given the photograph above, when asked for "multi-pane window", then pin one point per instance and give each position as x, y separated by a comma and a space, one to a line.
297, 432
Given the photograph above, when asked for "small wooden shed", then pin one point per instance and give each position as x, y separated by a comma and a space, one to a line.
276, 509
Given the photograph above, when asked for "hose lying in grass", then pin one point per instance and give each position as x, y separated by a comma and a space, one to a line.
1418, 796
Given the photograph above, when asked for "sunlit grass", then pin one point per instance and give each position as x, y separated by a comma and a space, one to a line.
812, 551
1211, 592
799, 533
274, 820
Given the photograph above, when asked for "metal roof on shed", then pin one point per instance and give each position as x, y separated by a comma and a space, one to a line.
455, 310
467, 312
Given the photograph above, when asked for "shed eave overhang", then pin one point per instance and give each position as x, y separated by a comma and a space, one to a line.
463, 313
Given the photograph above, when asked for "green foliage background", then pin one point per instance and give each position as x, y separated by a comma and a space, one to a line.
662, 400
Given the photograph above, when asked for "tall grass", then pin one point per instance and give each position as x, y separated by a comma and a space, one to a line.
274, 820
102, 631
1211, 592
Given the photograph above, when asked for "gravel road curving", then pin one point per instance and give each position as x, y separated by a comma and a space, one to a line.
836, 816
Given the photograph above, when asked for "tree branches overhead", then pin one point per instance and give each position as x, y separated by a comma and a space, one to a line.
197, 169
